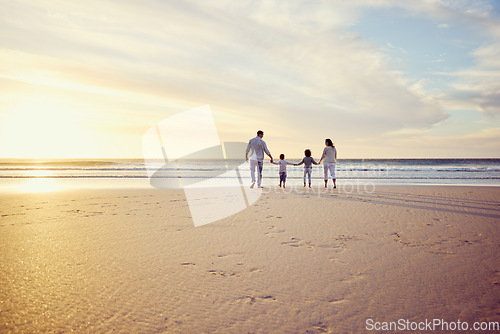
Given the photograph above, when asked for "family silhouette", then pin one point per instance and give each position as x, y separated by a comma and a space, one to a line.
258, 147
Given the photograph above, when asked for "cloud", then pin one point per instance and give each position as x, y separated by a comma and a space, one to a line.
488, 57
478, 144
445, 9
475, 87
290, 66
270, 56
480, 84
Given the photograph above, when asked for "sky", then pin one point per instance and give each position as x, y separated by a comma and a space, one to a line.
381, 78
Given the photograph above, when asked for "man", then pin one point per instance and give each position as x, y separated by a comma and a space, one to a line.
258, 147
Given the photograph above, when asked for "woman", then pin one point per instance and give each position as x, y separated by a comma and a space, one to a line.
330, 157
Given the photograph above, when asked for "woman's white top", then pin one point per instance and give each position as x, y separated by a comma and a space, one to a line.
329, 154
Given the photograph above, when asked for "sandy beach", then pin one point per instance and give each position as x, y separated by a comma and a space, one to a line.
294, 262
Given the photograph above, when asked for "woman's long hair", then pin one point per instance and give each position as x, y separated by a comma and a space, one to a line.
328, 141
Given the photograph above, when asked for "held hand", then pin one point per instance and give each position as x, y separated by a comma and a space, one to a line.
271, 160
246, 159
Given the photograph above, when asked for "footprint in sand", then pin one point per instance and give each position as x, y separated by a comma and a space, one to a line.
221, 273
250, 299
187, 264
293, 242
336, 300
335, 247
322, 328
273, 230
496, 281
347, 237
228, 254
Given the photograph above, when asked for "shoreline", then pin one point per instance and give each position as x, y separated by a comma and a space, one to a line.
48, 184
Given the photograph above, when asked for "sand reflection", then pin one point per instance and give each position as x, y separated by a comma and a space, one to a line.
39, 181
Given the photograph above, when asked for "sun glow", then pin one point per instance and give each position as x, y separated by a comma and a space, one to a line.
40, 182
40, 128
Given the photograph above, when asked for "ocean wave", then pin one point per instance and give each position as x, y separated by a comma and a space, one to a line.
43, 164
339, 169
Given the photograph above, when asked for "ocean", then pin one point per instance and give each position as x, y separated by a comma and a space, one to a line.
43, 175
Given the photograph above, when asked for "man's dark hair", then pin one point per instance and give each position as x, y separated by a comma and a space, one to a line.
307, 152
282, 156
260, 132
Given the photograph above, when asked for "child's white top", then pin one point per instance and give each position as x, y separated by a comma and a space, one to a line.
282, 164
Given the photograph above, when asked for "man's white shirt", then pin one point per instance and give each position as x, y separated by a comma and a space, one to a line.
258, 147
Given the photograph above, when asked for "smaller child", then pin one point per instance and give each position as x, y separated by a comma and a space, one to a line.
307, 161
282, 163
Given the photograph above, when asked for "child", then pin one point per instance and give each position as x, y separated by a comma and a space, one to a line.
282, 163
307, 161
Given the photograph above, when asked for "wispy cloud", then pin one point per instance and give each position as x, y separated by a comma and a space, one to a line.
272, 52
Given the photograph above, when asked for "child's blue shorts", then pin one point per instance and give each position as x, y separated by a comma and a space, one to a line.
283, 176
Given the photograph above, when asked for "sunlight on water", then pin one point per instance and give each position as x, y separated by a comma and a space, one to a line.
40, 183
